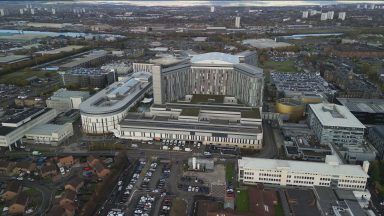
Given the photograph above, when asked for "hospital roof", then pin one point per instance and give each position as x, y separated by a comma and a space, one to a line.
302, 167
45, 129
335, 115
66, 94
116, 96
215, 58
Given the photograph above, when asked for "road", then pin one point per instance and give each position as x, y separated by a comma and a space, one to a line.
269, 148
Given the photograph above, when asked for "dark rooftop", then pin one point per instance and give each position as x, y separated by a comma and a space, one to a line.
200, 98
254, 113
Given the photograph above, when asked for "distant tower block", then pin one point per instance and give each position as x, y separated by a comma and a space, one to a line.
342, 15
21, 11
237, 22
305, 14
32, 11
53, 11
212, 9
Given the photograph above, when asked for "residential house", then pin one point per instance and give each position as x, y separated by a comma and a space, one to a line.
48, 170
74, 184
12, 190
67, 161
68, 197
24, 166
92, 160
100, 170
57, 211
5, 167
20, 204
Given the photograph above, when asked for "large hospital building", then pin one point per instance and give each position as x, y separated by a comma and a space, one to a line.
209, 74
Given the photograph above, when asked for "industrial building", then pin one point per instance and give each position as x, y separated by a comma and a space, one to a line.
64, 100
92, 59
376, 138
88, 77
14, 127
290, 109
102, 112
210, 123
368, 111
50, 134
300, 173
335, 124
208, 74
299, 84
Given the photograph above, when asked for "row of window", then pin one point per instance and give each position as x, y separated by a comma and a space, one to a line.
270, 175
269, 179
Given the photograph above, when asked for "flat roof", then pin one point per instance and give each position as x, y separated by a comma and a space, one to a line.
62, 49
363, 105
215, 58
45, 129
116, 96
302, 166
92, 55
31, 113
160, 122
214, 107
64, 94
335, 115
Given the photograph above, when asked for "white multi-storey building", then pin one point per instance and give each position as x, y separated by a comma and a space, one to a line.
324, 16
305, 14
342, 15
13, 128
301, 173
64, 100
335, 124
209, 74
224, 125
237, 22
102, 112
50, 134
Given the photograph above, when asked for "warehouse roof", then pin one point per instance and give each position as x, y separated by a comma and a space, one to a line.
363, 105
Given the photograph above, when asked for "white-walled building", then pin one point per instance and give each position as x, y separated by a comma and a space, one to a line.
223, 125
50, 134
335, 124
64, 100
302, 173
342, 15
209, 74
324, 16
102, 112
305, 14
237, 22
13, 128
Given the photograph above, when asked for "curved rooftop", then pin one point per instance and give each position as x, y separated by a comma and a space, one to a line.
215, 58
117, 96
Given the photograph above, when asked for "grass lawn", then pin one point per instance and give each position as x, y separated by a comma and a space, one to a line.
286, 66
178, 207
20, 77
279, 210
229, 172
242, 200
